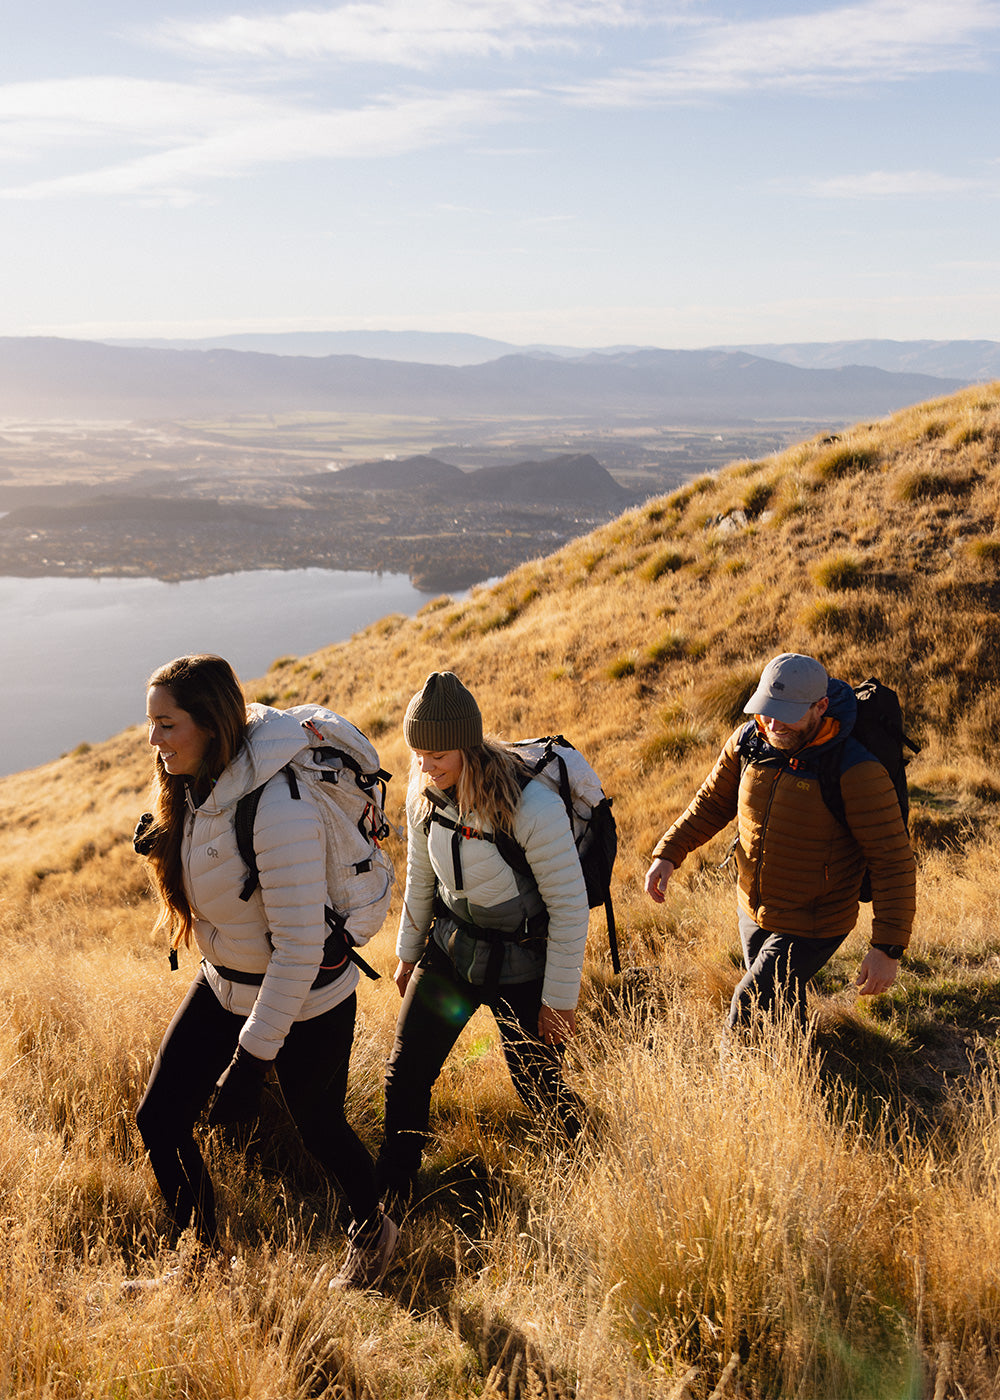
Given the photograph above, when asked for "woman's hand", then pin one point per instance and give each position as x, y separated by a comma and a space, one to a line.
237, 1099
556, 1027
402, 975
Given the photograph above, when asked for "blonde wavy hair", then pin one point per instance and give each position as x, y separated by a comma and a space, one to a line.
488, 785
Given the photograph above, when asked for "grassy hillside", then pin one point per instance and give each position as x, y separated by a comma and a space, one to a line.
820, 1222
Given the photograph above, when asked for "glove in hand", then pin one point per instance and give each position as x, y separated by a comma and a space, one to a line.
143, 839
237, 1099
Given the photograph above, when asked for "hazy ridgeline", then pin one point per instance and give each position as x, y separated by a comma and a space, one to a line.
821, 1223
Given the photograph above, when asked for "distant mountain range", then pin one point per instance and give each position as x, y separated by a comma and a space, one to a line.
45, 377
970, 361
425, 347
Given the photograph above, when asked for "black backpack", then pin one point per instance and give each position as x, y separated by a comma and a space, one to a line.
879, 729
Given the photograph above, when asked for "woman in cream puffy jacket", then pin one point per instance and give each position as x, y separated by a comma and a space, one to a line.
473, 930
260, 996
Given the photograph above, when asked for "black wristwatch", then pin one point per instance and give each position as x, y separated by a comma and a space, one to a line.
891, 950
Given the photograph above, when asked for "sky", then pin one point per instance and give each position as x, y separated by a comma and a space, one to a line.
677, 173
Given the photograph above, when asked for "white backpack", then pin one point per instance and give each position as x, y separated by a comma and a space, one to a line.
340, 767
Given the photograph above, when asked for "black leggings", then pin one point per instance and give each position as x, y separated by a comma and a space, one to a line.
437, 1006
311, 1066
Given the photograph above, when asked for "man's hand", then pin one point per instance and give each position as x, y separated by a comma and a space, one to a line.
555, 1027
876, 974
402, 975
656, 878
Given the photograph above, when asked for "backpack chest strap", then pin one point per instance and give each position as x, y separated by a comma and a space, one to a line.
459, 833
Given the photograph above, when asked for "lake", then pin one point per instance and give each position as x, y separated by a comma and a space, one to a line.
75, 652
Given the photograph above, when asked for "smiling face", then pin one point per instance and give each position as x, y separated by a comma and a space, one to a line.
179, 741
789, 737
442, 766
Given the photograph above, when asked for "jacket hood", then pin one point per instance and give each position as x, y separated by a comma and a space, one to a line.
843, 708
273, 738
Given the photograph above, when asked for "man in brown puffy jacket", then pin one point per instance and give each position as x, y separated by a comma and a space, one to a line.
800, 869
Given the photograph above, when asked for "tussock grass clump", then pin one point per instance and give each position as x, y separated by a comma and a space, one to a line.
666, 562
621, 667
435, 605
925, 484
844, 459
837, 572
864, 620
673, 741
723, 699
670, 647
825, 616
933, 429
386, 626
987, 551
682, 498
757, 498
965, 434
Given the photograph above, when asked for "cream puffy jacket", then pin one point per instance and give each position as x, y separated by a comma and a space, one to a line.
490, 895
280, 930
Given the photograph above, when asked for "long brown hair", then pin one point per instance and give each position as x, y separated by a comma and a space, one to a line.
487, 786
207, 688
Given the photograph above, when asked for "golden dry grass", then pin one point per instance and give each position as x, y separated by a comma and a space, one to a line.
819, 1221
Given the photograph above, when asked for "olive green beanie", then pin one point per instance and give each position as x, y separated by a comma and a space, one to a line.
442, 716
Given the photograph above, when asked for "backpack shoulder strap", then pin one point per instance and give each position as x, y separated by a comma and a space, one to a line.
244, 818
829, 770
832, 767
509, 849
746, 744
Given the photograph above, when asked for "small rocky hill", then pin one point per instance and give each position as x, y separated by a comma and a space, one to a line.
565, 480
570, 478
409, 474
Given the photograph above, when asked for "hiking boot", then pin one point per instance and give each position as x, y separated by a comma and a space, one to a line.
137, 1287
365, 1265
188, 1273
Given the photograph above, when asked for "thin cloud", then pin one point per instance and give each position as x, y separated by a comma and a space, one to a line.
897, 184
401, 32
202, 135
822, 52
85, 111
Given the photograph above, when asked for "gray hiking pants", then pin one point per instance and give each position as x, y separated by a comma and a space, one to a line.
779, 967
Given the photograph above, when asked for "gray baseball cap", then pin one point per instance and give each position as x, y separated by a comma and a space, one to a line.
788, 686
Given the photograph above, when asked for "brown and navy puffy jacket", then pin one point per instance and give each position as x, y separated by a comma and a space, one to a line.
800, 870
